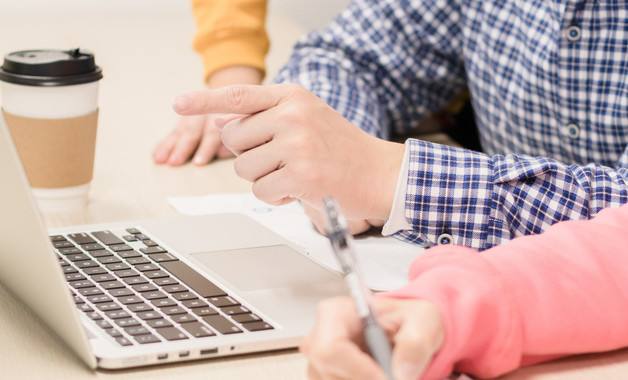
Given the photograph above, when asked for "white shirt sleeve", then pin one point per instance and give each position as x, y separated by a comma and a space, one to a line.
397, 219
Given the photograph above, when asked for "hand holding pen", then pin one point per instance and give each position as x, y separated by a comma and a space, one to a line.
375, 337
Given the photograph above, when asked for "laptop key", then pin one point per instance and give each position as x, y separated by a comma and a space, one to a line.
81, 238
68, 270
165, 281
223, 301
112, 285
117, 266
171, 333
94, 316
94, 271
156, 274
197, 329
146, 267
157, 323
70, 250
193, 279
55, 238
81, 284
120, 247
203, 311
137, 260
130, 300
147, 315
232, 310
129, 237
107, 238
84, 307
109, 306
108, 260
164, 302
175, 288
113, 332
221, 324
103, 277
124, 341
103, 324
86, 264
127, 322
130, 254
133, 231
145, 287
100, 253
194, 303
146, 339
121, 292
172, 310
117, 314
162, 257
183, 318
184, 296
257, 326
126, 273
89, 291
74, 276
139, 307
99, 298
136, 330
152, 250
135, 280
62, 244
245, 318
92, 247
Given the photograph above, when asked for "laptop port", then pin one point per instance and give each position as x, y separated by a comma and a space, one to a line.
209, 351
184, 354
162, 357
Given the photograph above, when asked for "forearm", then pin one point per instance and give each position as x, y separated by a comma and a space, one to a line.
537, 297
483, 201
230, 33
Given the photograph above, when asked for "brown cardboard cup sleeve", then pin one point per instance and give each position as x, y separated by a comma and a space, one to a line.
55, 153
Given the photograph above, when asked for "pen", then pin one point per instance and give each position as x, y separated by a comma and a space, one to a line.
376, 339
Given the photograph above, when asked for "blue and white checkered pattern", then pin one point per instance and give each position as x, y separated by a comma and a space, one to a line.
549, 84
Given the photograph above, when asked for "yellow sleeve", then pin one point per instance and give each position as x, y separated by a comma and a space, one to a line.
230, 32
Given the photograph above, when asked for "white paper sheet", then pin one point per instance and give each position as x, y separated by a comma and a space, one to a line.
383, 260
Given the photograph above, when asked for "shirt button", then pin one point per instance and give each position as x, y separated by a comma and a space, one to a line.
572, 131
573, 33
445, 239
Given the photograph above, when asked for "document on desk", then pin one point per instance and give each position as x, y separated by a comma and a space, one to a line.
383, 260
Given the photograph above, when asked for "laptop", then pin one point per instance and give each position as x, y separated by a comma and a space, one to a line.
157, 291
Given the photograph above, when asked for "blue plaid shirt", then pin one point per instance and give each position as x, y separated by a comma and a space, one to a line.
549, 86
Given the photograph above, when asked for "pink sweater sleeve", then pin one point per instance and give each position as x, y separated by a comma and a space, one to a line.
537, 297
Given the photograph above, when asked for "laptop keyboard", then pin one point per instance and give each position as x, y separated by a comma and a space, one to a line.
139, 293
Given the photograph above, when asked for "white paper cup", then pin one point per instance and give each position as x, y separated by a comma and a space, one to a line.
50, 104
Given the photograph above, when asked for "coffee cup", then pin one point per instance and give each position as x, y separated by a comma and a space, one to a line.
50, 104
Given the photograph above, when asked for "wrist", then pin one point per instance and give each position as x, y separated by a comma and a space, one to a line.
388, 177
238, 74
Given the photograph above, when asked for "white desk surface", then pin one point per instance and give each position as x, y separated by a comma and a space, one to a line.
146, 61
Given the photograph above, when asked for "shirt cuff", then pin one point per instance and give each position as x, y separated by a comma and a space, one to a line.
397, 219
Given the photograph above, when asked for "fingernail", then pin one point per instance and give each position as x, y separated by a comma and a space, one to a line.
182, 103
199, 160
409, 371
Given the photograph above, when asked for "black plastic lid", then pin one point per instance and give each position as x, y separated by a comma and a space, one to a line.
50, 67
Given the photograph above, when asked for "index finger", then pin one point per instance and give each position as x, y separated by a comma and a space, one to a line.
239, 99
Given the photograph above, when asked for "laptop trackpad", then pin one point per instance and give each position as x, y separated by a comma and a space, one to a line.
277, 266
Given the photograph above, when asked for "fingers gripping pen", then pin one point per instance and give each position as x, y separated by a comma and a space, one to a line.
375, 337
